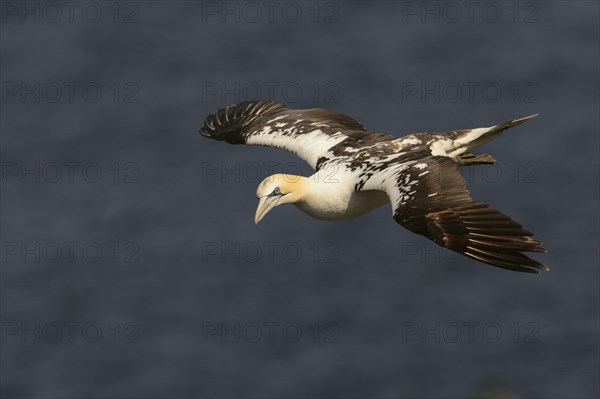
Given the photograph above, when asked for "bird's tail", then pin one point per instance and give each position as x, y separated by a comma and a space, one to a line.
466, 140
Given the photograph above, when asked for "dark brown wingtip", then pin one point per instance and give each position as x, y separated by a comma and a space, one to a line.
515, 261
229, 122
480, 232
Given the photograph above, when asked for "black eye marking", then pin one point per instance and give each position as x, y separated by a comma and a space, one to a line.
275, 192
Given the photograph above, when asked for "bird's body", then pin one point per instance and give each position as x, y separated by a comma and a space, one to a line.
357, 171
325, 201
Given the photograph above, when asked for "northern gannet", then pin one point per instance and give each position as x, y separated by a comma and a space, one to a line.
357, 171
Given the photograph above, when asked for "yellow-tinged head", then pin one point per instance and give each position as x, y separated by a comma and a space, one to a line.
277, 190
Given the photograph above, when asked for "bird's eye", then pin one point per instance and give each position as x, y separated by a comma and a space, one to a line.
277, 191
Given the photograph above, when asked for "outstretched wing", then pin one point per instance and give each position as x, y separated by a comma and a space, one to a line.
308, 133
429, 197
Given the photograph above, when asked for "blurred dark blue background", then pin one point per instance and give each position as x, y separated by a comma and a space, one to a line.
119, 219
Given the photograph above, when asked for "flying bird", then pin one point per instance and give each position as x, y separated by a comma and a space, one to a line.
357, 171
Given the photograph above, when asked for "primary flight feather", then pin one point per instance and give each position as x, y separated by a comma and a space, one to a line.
357, 171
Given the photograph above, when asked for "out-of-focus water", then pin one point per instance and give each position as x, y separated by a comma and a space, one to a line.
294, 307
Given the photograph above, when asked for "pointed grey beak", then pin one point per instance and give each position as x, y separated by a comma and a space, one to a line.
265, 204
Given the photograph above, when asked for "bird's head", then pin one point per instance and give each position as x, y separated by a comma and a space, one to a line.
276, 190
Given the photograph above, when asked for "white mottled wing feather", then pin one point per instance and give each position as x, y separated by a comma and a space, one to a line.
308, 133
